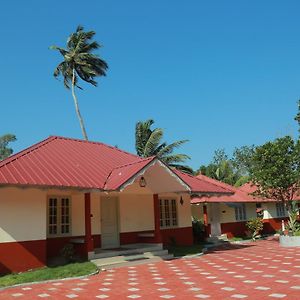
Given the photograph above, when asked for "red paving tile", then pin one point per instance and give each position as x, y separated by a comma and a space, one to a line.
261, 270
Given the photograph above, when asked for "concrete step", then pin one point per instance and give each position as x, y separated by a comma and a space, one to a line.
217, 239
144, 257
154, 259
127, 250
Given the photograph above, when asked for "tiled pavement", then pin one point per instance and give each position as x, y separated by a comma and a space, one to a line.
261, 270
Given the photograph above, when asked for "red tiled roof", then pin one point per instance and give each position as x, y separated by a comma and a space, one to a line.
239, 194
65, 162
201, 185
122, 174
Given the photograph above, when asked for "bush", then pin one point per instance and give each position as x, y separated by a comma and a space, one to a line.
255, 226
68, 252
293, 223
198, 229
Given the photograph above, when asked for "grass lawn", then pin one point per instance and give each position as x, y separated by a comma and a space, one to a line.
185, 250
49, 273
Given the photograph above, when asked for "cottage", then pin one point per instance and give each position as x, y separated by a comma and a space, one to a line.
63, 190
228, 214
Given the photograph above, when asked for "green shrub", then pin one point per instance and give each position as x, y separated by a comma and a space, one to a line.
68, 252
255, 226
198, 229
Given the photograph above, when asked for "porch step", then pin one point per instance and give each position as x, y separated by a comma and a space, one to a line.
131, 257
131, 249
217, 239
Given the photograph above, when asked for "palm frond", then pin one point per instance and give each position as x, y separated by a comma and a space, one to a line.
168, 149
183, 168
153, 142
175, 158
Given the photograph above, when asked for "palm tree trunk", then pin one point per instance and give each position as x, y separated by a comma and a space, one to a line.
77, 108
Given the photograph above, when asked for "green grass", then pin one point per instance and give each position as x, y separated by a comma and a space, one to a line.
49, 273
185, 250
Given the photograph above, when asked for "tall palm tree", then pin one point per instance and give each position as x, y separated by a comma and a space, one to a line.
80, 62
148, 142
297, 117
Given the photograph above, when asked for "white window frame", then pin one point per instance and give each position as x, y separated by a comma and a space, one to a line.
58, 216
166, 211
280, 210
240, 212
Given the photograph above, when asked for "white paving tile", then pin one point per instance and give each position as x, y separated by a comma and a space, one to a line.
239, 296
275, 295
202, 296
163, 289
134, 296
102, 296
195, 289
262, 288
71, 296
295, 287
227, 288
17, 294
167, 296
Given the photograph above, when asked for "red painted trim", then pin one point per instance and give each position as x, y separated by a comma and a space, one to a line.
54, 245
181, 236
271, 225
157, 232
234, 229
87, 221
22, 256
205, 220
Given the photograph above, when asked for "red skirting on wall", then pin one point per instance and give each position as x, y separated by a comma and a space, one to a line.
22, 256
181, 236
237, 229
234, 229
272, 225
54, 245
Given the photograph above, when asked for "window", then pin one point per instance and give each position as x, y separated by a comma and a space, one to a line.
59, 216
168, 213
240, 212
280, 210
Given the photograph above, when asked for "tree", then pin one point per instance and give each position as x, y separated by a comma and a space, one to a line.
220, 168
5, 139
148, 142
80, 63
297, 117
275, 170
241, 159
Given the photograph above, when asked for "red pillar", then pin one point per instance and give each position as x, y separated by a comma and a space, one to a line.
157, 233
205, 220
89, 244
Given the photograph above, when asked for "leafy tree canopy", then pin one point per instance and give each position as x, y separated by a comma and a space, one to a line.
275, 169
148, 142
5, 139
220, 168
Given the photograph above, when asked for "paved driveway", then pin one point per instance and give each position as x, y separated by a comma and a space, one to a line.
260, 270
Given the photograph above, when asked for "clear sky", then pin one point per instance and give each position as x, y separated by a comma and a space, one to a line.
219, 73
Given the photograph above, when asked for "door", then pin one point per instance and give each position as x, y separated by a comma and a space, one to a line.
215, 219
109, 223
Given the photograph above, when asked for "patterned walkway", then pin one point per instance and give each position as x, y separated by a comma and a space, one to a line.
261, 270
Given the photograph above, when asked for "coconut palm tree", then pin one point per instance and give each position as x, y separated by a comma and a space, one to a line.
80, 63
148, 142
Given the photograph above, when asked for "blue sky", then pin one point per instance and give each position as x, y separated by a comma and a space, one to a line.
220, 73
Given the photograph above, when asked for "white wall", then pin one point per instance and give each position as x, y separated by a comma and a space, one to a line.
136, 212
227, 214
22, 214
